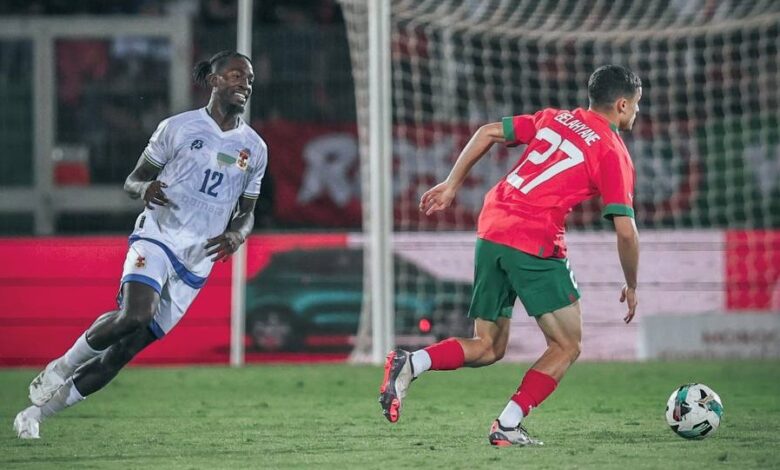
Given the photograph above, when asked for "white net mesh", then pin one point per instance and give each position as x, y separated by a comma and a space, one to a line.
706, 144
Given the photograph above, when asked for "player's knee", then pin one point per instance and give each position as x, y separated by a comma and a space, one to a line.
135, 317
573, 350
498, 353
490, 351
499, 349
128, 323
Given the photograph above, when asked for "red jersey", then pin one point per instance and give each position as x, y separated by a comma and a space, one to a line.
571, 156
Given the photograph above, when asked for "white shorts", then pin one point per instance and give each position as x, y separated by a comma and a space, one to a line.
150, 262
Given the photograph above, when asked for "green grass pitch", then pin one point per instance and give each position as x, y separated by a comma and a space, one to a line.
603, 415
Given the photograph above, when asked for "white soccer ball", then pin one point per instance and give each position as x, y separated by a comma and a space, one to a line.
694, 411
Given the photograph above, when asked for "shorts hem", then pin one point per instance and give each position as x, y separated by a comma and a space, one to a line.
156, 329
539, 312
505, 312
143, 280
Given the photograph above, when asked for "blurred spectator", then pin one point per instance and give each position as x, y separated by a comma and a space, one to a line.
328, 12
79, 62
107, 101
218, 12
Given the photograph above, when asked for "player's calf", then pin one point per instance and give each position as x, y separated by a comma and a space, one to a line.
100, 371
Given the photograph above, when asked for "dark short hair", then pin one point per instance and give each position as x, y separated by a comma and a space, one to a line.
203, 68
610, 82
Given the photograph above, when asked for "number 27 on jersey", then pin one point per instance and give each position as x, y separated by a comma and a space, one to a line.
573, 157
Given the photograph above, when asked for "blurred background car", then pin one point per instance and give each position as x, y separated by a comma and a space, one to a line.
312, 300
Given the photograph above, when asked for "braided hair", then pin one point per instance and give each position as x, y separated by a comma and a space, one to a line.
206, 67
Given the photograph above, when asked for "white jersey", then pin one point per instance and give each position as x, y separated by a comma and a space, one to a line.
206, 170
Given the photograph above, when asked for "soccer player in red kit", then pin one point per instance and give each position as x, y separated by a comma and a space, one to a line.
570, 156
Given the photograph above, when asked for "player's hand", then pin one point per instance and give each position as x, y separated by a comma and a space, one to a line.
437, 198
223, 245
153, 194
629, 295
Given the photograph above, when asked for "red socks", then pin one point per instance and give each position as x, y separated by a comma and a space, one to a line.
535, 387
446, 355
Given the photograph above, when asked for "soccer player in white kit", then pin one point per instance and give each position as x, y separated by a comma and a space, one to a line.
199, 178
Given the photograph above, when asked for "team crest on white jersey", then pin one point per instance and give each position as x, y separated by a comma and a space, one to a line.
242, 162
243, 159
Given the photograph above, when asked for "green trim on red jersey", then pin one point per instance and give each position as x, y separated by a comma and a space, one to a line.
611, 210
509, 130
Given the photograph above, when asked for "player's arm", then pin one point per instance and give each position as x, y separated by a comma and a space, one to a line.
614, 178
628, 250
440, 196
225, 244
142, 183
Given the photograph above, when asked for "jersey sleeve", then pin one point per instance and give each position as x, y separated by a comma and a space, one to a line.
252, 190
158, 150
521, 129
615, 182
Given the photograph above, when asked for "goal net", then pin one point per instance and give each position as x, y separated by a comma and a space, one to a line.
706, 145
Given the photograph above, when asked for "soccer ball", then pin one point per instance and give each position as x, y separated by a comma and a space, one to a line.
694, 411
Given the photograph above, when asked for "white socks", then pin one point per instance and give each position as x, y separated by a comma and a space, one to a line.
511, 416
421, 362
66, 396
77, 355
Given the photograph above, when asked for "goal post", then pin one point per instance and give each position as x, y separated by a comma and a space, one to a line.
239, 261
373, 71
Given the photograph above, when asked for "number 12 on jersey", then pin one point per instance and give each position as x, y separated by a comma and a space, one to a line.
214, 176
574, 156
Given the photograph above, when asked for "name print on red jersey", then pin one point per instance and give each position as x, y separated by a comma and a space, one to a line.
579, 128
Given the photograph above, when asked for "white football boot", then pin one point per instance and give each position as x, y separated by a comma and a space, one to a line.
45, 385
26, 426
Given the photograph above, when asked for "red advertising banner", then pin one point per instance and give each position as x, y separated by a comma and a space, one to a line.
52, 289
753, 270
314, 171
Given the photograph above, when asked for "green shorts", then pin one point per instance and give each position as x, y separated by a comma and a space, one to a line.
502, 273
